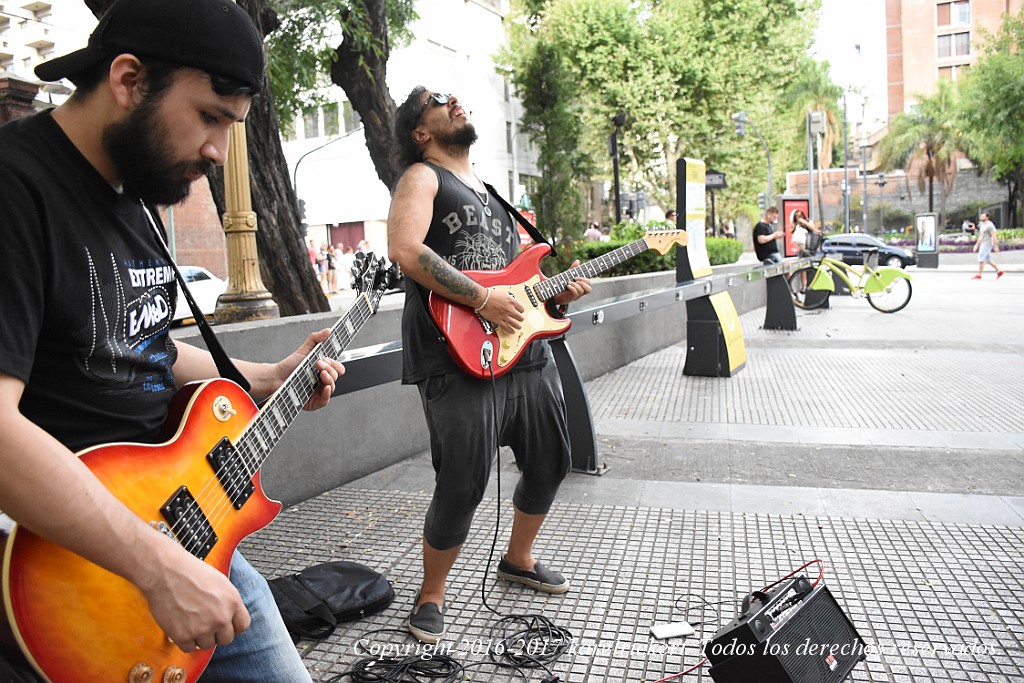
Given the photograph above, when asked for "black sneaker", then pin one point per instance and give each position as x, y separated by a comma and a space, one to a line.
539, 578
426, 623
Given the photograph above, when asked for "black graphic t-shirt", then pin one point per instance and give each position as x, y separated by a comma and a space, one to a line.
470, 235
86, 297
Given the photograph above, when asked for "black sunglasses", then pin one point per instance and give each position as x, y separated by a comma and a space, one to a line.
440, 98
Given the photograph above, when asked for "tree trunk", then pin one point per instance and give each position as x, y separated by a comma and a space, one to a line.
363, 77
284, 261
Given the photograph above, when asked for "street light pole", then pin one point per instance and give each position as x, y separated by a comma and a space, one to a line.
846, 172
881, 207
864, 159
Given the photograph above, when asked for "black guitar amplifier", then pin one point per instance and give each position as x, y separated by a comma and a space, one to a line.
792, 634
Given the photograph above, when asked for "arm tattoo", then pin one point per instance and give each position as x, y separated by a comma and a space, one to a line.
446, 275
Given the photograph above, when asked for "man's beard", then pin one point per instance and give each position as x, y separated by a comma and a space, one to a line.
459, 139
140, 148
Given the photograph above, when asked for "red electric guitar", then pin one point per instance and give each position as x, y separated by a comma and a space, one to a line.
473, 341
74, 621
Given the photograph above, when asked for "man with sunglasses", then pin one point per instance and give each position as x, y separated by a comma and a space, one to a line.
443, 221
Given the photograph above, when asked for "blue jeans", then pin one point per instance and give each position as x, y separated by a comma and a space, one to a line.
264, 653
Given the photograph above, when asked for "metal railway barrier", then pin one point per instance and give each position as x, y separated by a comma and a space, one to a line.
382, 363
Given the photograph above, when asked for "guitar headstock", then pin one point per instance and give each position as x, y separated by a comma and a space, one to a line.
662, 240
373, 278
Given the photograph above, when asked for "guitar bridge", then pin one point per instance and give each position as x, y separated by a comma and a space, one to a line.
234, 476
189, 524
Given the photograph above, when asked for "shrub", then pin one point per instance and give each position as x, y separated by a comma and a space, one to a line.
649, 261
722, 250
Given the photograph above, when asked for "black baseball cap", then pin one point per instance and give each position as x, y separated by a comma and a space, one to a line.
215, 36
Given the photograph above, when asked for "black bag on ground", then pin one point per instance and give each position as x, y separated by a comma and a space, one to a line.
314, 601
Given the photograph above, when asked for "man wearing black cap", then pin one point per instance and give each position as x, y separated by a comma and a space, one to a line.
86, 296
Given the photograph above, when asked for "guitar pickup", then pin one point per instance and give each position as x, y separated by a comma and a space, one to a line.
188, 523
485, 323
234, 476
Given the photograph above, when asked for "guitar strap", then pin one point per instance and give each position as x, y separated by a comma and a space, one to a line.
225, 367
527, 225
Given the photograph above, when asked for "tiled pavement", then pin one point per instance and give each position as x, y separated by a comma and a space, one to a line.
910, 491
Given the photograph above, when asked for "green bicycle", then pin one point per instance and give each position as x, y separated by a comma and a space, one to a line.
887, 289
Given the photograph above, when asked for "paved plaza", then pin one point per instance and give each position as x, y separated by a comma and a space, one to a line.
889, 446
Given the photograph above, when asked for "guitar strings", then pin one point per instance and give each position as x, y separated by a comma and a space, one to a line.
304, 374
243, 449
547, 288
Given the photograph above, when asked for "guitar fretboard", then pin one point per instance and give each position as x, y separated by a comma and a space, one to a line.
558, 283
280, 410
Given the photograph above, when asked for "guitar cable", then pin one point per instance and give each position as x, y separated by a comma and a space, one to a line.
519, 643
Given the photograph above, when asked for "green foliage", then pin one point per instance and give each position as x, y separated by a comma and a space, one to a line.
722, 250
678, 69
545, 83
649, 261
930, 132
991, 109
300, 50
970, 211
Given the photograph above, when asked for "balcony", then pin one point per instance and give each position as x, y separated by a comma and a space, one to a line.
36, 7
37, 36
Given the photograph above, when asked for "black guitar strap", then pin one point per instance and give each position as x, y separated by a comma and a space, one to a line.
225, 367
527, 225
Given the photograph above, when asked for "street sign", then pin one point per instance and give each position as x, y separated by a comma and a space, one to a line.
715, 180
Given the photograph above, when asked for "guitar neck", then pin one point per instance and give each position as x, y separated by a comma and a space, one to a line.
280, 410
558, 283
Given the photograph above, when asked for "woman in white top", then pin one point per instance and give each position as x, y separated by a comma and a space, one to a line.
799, 226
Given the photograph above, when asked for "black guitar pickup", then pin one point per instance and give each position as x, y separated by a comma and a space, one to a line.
234, 476
189, 524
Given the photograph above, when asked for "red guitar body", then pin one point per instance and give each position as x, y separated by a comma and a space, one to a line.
76, 622
469, 336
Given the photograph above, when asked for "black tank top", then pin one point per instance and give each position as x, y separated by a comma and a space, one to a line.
471, 231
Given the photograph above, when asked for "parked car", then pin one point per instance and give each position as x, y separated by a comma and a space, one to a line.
851, 248
206, 288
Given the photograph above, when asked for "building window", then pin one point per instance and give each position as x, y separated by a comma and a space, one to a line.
954, 72
310, 124
331, 121
961, 44
953, 45
288, 130
961, 12
352, 119
508, 137
953, 13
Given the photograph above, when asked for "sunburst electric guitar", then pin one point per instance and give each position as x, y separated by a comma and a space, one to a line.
474, 342
74, 621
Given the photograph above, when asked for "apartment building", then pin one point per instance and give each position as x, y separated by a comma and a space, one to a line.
34, 31
928, 40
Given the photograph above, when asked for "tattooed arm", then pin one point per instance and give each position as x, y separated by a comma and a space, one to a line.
408, 222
